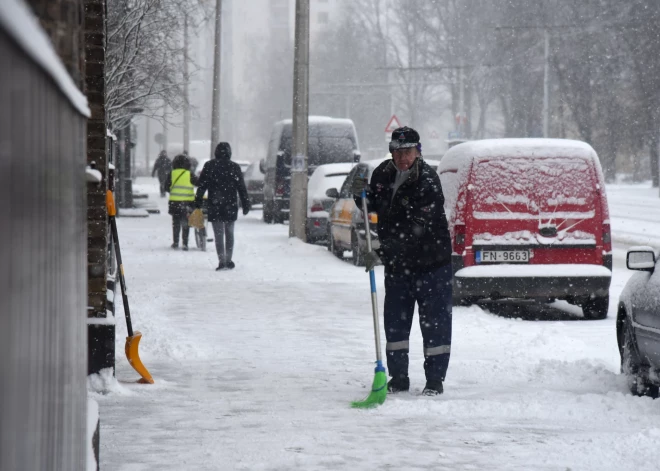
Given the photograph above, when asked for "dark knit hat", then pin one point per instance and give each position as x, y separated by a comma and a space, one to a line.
223, 151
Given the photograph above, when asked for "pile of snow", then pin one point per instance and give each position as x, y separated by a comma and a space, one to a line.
505, 270
105, 383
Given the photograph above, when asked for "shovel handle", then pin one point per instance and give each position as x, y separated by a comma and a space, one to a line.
120, 267
372, 280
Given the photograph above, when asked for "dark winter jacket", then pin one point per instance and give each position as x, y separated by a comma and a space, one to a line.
412, 227
162, 166
224, 180
180, 208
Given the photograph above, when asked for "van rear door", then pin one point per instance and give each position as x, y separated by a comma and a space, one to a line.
533, 211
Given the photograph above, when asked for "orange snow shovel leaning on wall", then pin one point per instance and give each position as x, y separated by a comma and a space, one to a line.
133, 339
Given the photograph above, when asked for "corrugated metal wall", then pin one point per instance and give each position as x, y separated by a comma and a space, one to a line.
43, 268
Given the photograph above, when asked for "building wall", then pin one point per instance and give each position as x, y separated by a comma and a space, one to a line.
43, 272
63, 22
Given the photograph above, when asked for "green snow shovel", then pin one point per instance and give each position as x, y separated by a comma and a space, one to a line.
378, 392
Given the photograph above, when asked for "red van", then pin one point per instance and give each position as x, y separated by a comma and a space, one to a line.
528, 219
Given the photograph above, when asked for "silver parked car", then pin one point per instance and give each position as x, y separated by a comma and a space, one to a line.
638, 323
318, 202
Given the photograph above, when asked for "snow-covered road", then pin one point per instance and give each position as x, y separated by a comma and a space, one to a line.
255, 369
635, 214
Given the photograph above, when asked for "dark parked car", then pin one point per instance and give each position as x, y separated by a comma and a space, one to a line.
638, 323
330, 141
254, 181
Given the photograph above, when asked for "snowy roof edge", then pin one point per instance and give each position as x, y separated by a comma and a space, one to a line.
22, 26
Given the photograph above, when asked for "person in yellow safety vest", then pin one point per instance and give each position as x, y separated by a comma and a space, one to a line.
180, 185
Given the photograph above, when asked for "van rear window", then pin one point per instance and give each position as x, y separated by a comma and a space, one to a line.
323, 150
519, 188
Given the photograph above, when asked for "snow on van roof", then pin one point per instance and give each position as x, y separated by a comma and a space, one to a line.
461, 154
319, 120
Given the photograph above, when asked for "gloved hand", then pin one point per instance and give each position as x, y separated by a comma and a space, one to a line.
358, 185
246, 209
371, 259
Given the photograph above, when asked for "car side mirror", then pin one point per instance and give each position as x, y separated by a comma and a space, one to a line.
332, 193
262, 165
640, 258
356, 156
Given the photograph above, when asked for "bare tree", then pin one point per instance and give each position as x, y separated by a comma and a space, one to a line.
145, 58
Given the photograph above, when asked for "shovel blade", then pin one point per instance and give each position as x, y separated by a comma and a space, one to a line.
133, 357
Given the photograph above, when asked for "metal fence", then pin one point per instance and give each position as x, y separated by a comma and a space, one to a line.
43, 283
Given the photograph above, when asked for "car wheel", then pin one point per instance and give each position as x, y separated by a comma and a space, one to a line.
268, 213
631, 365
336, 251
358, 255
463, 302
596, 308
278, 215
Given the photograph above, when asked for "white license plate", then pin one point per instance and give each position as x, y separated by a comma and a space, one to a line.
503, 256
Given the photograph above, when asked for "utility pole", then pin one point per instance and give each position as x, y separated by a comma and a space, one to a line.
298, 201
147, 143
217, 50
546, 85
165, 129
186, 80
461, 101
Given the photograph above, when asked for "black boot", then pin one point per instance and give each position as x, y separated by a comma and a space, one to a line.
433, 388
399, 384
221, 266
175, 245
231, 265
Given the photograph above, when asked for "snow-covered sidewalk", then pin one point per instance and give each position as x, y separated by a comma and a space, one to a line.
255, 369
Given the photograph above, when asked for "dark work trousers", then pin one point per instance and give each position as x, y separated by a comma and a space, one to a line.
180, 224
433, 292
224, 240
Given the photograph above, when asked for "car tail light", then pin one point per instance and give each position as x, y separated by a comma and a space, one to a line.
607, 237
279, 190
459, 238
373, 218
316, 206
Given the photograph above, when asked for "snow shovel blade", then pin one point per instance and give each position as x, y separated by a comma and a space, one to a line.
134, 357
377, 395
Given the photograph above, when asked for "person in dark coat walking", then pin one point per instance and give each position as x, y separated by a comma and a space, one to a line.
162, 166
179, 184
415, 248
223, 179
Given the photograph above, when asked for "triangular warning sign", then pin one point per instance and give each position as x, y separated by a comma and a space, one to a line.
392, 124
